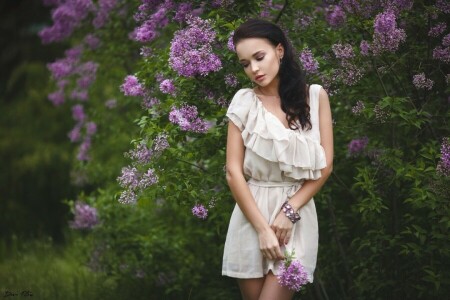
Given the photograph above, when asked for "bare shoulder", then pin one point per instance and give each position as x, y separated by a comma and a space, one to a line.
323, 95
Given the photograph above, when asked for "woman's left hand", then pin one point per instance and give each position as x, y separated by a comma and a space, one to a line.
282, 227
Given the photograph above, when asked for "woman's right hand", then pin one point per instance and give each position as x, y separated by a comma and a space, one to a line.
269, 245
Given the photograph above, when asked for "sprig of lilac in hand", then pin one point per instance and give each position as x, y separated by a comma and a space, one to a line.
292, 273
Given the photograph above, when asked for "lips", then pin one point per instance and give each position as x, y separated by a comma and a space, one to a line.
259, 77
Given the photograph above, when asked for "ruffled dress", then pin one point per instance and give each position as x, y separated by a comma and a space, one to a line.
277, 161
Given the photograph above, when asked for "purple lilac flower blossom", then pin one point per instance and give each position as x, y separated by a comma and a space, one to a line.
66, 16
443, 167
186, 117
293, 276
78, 113
437, 29
349, 73
183, 10
442, 53
335, 16
91, 128
443, 5
421, 82
365, 47
231, 80
146, 51
85, 216
132, 87
446, 40
75, 134
79, 95
191, 49
148, 102
357, 145
141, 154
82, 154
128, 197
148, 179
129, 178
358, 108
92, 41
160, 142
167, 87
230, 44
308, 61
343, 51
57, 98
386, 37
200, 211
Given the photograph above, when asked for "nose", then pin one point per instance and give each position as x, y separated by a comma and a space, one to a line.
254, 67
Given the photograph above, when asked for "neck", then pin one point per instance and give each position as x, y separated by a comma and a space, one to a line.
270, 89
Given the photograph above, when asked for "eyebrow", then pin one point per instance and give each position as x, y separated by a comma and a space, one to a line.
254, 54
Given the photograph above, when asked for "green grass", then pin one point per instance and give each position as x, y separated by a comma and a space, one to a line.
48, 272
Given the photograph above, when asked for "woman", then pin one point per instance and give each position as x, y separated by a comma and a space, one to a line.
280, 138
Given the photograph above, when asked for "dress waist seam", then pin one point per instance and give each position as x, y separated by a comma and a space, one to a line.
272, 183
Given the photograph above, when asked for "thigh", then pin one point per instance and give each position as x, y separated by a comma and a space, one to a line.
272, 290
251, 288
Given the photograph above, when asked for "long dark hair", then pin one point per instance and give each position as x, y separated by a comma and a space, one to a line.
292, 88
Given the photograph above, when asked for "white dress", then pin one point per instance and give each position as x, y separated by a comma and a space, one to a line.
276, 163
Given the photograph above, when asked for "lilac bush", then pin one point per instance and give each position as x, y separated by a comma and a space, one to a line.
85, 216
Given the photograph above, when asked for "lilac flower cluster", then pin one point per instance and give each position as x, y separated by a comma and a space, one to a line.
357, 145
85, 216
66, 16
358, 108
386, 37
153, 16
221, 3
184, 10
187, 118
437, 29
230, 44
349, 73
443, 5
134, 181
200, 211
421, 82
335, 16
167, 87
381, 115
443, 167
231, 80
141, 154
343, 51
308, 61
292, 275
92, 41
191, 49
148, 102
132, 87
364, 47
442, 52
160, 143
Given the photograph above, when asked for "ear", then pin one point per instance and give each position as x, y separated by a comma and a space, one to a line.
280, 50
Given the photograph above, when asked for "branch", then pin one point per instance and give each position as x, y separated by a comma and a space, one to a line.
281, 11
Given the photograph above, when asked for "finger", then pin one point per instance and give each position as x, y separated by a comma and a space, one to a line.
288, 237
282, 236
278, 253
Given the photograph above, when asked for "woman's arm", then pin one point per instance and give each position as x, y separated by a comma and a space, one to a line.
241, 193
282, 226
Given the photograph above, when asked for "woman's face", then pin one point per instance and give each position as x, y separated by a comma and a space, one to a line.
260, 59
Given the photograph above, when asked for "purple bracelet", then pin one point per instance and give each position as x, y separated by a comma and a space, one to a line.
290, 213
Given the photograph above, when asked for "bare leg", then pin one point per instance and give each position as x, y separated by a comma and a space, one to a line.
251, 288
272, 290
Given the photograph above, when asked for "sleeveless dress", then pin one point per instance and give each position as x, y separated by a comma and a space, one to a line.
276, 163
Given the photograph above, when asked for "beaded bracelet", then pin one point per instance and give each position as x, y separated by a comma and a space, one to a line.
290, 213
